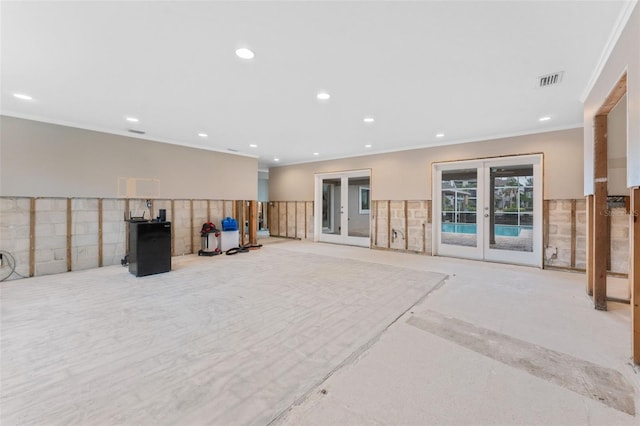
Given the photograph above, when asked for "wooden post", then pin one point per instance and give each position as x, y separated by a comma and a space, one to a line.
100, 220
253, 222
224, 210
375, 240
32, 237
590, 232
127, 216
545, 229
295, 219
601, 235
173, 228
573, 233
388, 223
286, 218
208, 210
406, 225
634, 271
191, 223
306, 219
69, 232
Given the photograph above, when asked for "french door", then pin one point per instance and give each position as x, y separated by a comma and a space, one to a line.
489, 209
342, 202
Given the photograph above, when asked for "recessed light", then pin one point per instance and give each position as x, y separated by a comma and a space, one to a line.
323, 96
245, 53
203, 135
132, 119
368, 145
545, 118
316, 153
368, 119
22, 96
440, 135
253, 145
276, 159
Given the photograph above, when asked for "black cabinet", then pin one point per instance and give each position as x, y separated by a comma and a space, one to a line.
149, 248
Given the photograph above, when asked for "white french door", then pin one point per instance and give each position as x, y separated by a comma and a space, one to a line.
489, 209
342, 202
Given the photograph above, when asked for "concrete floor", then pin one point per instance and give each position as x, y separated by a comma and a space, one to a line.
303, 333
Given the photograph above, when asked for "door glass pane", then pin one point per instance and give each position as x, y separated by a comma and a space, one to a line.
331, 206
458, 210
510, 224
359, 207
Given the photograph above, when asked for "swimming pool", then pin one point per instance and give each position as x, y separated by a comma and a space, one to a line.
471, 228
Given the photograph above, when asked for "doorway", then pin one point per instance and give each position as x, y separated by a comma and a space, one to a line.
342, 203
489, 209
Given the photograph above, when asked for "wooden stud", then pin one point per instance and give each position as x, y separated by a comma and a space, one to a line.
614, 97
151, 210
429, 218
191, 225
377, 204
608, 222
634, 271
573, 233
590, 232
545, 227
295, 219
306, 219
127, 217
424, 238
100, 220
208, 210
253, 222
224, 209
69, 232
388, 223
406, 225
173, 228
286, 219
32, 237
235, 210
601, 235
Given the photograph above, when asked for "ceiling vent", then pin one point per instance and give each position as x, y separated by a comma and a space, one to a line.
139, 132
550, 79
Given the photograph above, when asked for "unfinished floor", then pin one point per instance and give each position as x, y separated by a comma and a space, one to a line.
304, 333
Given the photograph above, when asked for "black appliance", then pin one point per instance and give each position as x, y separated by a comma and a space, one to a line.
149, 248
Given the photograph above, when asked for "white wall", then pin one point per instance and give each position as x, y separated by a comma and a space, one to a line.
46, 160
625, 56
406, 175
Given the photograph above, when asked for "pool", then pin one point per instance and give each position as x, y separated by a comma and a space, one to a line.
470, 228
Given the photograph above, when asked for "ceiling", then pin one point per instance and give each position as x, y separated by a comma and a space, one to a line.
468, 70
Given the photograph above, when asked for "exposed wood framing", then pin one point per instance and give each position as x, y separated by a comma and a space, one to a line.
406, 225
191, 217
601, 235
388, 223
126, 224
295, 219
428, 215
590, 231
424, 238
634, 271
208, 210
69, 231
32, 237
224, 209
545, 226
377, 203
173, 230
305, 219
573, 233
614, 97
286, 219
100, 220
253, 222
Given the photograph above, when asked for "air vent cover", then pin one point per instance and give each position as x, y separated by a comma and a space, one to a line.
139, 132
550, 79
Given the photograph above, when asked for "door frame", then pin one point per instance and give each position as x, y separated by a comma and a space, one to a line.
343, 237
483, 251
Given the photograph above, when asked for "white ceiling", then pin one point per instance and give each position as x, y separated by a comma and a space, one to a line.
466, 69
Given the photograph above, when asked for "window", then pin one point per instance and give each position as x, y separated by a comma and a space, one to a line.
363, 200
